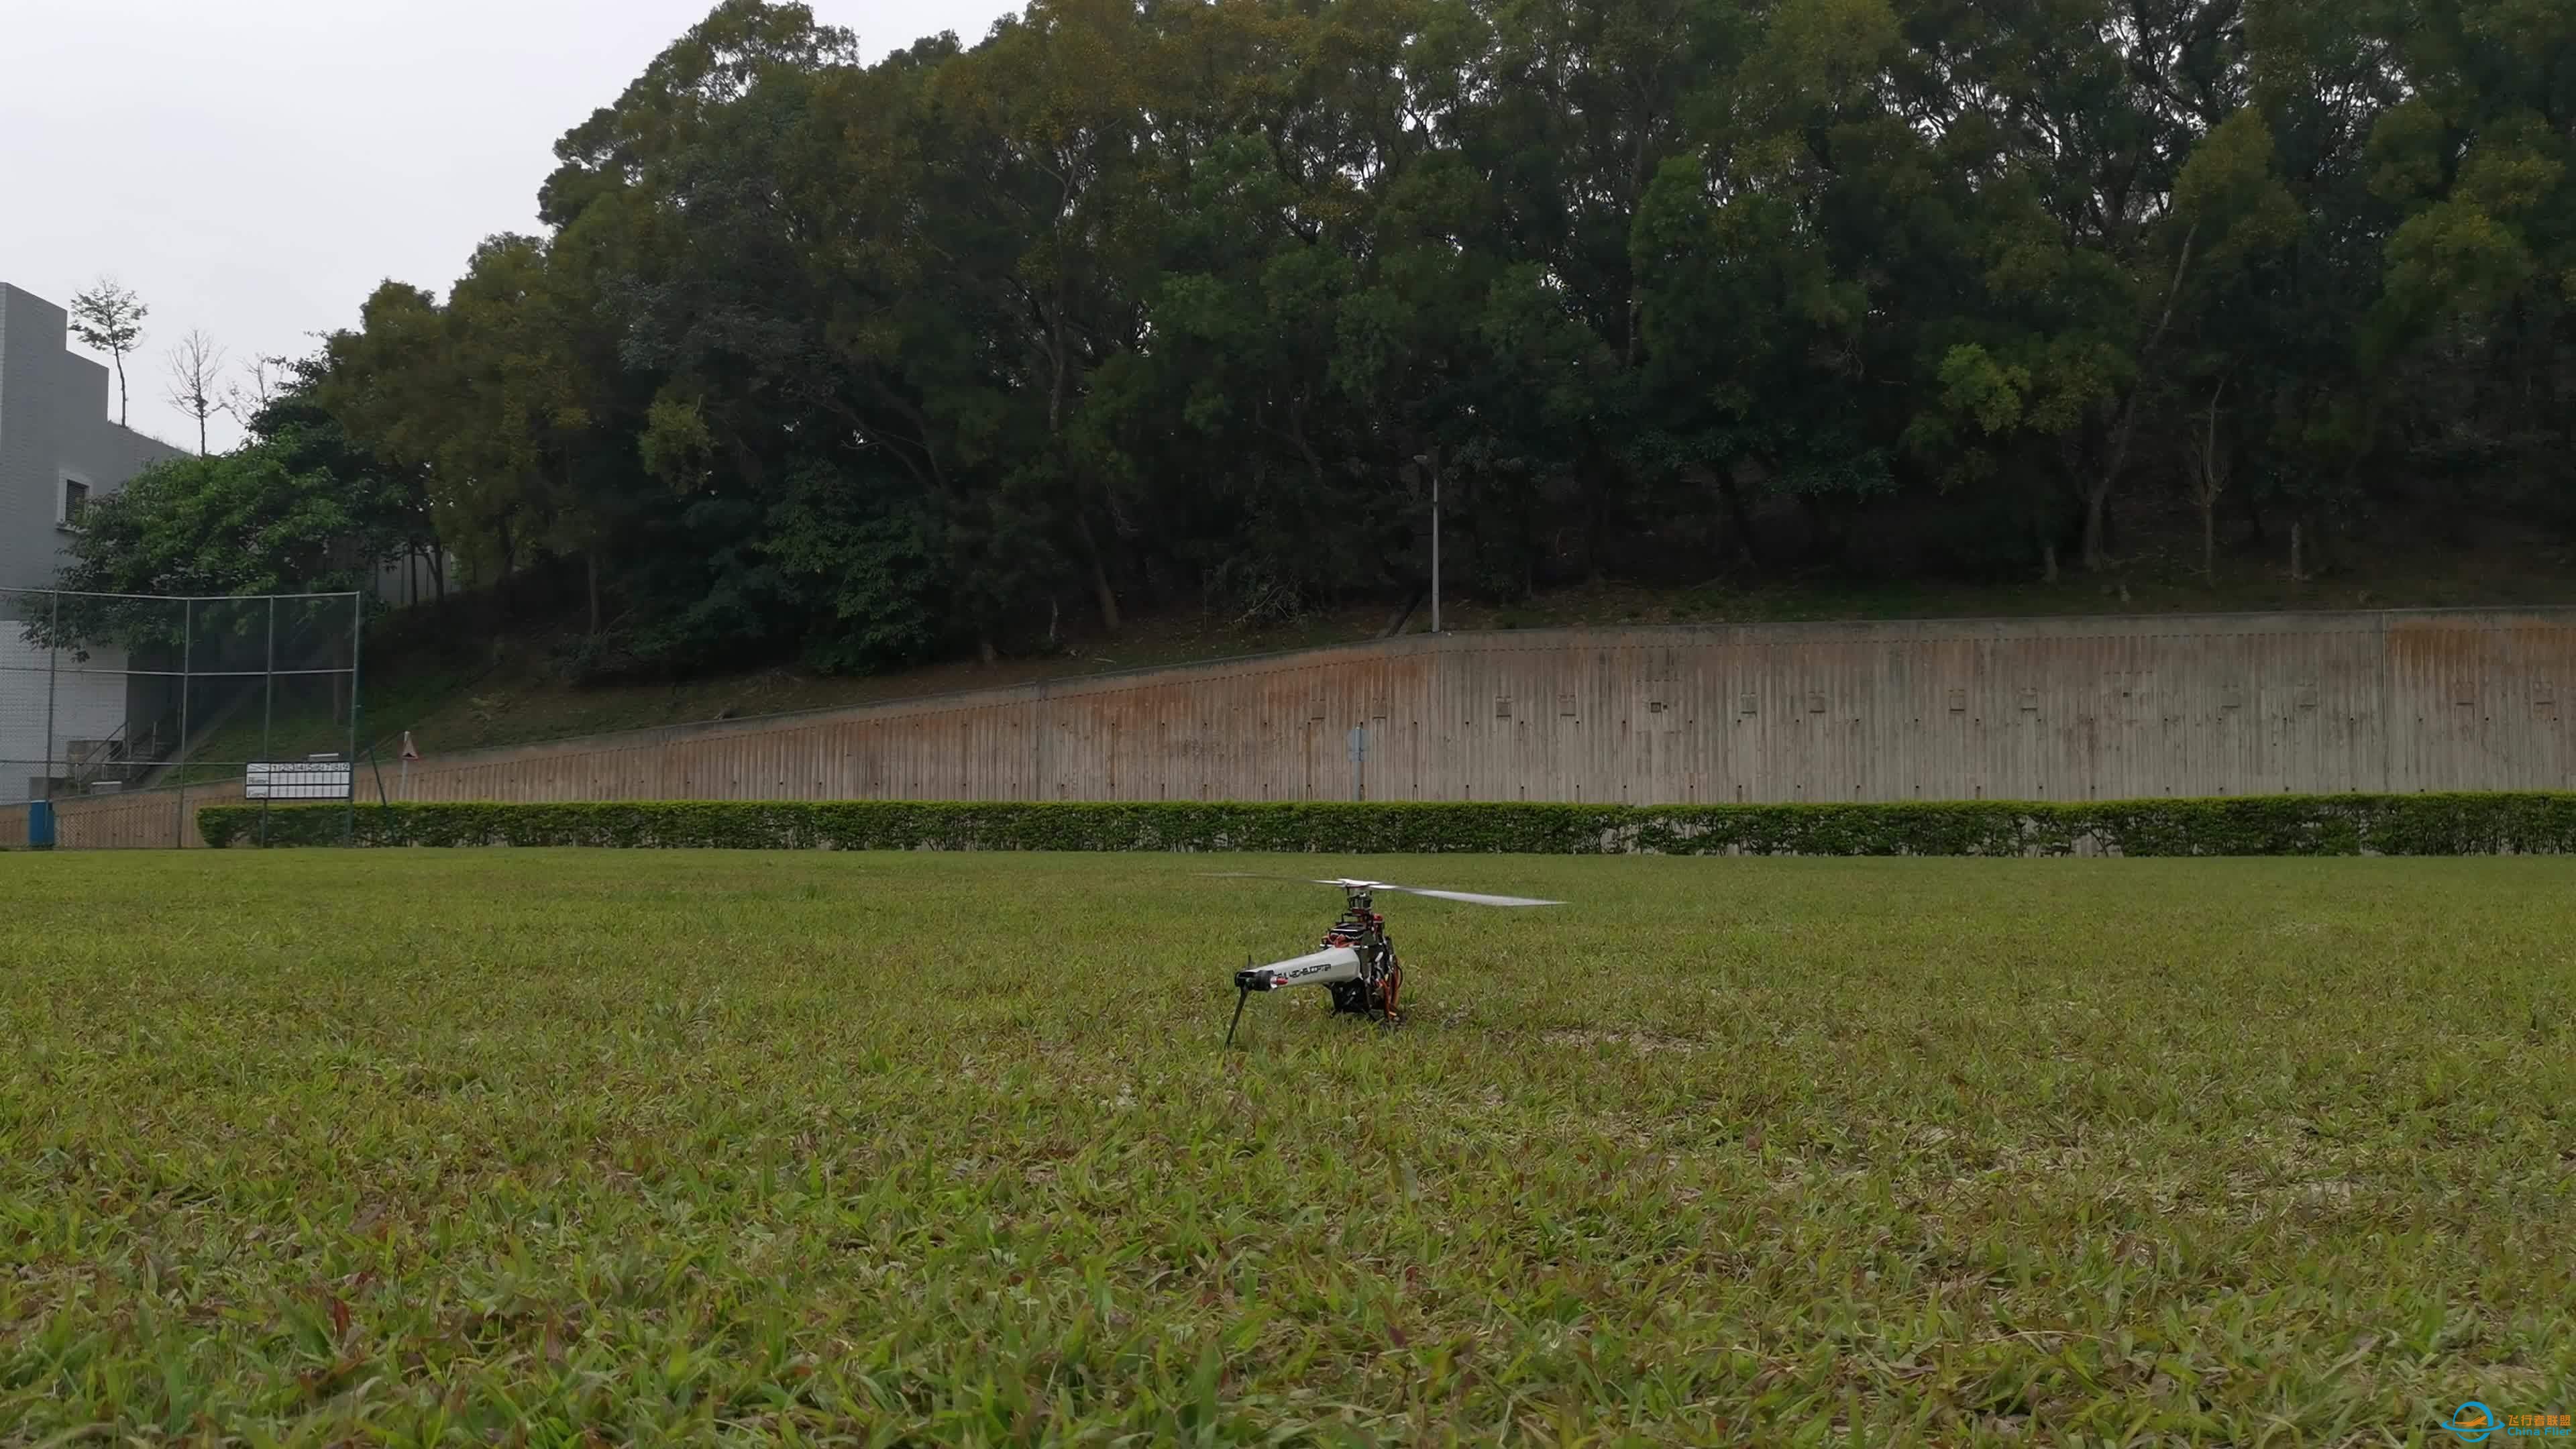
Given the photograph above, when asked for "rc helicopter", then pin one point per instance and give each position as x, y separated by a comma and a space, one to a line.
1357, 963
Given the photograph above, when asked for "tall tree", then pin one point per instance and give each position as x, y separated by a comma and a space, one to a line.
196, 380
110, 317
1119, 306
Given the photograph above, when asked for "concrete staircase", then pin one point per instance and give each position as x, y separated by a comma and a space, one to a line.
102, 767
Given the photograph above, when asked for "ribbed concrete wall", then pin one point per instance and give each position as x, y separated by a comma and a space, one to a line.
2113, 708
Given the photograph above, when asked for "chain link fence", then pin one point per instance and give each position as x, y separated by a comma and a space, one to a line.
113, 695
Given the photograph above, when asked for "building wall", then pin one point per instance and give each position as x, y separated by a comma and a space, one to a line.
54, 424
2119, 708
55, 419
83, 700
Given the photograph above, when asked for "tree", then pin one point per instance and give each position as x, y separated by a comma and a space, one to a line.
1125, 306
296, 509
388, 503
109, 318
196, 380
243, 522
262, 379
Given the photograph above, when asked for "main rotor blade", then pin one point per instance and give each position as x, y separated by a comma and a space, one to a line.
1471, 897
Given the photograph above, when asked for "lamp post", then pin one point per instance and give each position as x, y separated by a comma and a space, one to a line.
1431, 462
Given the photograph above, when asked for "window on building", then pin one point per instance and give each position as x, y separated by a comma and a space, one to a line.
75, 498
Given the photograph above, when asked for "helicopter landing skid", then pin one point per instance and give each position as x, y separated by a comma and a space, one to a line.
1372, 1001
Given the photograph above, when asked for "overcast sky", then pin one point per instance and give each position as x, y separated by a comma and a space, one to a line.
255, 167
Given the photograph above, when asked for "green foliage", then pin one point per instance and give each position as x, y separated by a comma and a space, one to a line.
242, 523
299, 508
2232, 191
864, 363
875, 572
676, 446
2456, 824
109, 318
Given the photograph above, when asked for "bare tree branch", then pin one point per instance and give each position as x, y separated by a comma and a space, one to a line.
196, 367
266, 380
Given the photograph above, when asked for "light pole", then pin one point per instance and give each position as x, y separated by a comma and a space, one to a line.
1431, 461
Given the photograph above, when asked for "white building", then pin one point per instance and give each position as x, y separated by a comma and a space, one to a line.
58, 449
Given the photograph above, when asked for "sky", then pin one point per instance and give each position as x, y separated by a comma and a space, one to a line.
255, 168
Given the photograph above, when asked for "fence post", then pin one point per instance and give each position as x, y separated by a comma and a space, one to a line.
357, 639
179, 764
267, 709
53, 661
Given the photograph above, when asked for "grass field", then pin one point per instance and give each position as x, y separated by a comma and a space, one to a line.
317, 1147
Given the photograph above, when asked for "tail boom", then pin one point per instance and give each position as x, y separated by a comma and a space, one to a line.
1319, 968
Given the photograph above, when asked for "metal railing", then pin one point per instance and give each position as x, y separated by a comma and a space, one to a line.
102, 694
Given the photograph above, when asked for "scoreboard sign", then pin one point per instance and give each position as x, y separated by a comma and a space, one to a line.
300, 780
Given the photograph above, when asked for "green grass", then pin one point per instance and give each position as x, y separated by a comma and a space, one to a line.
306, 723
397, 1148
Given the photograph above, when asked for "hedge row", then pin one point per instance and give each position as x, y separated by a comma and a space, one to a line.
2482, 824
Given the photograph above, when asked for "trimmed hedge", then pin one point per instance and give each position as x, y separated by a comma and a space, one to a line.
2533, 823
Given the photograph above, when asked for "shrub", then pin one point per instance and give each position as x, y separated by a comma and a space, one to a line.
2484, 824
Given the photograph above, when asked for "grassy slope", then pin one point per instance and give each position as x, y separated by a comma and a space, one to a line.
460, 696
372, 1146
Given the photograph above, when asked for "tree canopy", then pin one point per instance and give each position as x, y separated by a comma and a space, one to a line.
1148, 303
298, 508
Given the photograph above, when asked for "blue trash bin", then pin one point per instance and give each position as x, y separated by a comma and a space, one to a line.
40, 825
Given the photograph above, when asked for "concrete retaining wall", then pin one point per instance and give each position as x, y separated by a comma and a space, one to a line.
2050, 709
